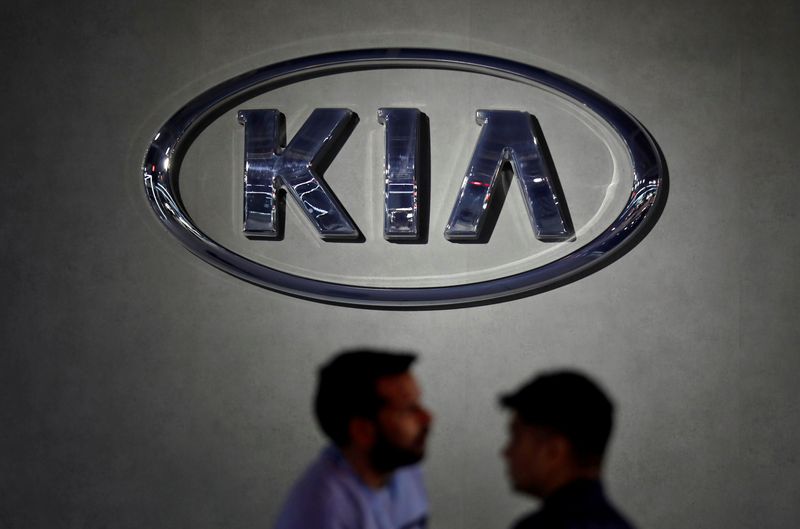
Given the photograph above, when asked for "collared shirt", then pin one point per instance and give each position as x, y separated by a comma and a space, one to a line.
329, 495
581, 504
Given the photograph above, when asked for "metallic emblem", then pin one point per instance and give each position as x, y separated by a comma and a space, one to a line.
513, 137
509, 140
299, 167
401, 192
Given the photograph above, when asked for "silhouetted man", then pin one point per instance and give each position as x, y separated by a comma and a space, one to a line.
369, 405
558, 434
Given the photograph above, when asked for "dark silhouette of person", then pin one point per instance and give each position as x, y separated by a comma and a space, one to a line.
369, 405
558, 434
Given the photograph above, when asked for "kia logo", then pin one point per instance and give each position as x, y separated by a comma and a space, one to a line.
510, 141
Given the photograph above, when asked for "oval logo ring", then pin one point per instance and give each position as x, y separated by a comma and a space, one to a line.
649, 186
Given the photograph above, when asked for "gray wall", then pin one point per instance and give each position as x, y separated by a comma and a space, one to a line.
143, 388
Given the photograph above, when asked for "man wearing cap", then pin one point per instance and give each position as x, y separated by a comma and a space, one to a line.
369, 405
558, 434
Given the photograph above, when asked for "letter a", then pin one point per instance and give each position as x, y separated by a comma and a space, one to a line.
510, 137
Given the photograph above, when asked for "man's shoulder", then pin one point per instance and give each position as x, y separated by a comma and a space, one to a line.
326, 470
540, 522
594, 517
328, 495
330, 489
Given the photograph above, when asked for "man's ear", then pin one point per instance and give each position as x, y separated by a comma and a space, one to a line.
559, 448
362, 432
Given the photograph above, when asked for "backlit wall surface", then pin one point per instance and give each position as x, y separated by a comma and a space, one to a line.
140, 387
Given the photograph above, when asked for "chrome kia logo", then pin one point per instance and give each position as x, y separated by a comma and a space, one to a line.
510, 140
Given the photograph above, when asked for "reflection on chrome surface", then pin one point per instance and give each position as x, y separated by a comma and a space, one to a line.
401, 188
510, 137
298, 167
162, 161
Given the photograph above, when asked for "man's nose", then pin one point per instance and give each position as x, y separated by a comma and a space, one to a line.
426, 417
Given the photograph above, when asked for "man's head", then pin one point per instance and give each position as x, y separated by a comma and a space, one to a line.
559, 431
369, 402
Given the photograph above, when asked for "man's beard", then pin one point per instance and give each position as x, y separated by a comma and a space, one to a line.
387, 456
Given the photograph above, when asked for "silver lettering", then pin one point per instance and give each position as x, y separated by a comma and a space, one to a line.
401, 184
510, 137
298, 168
